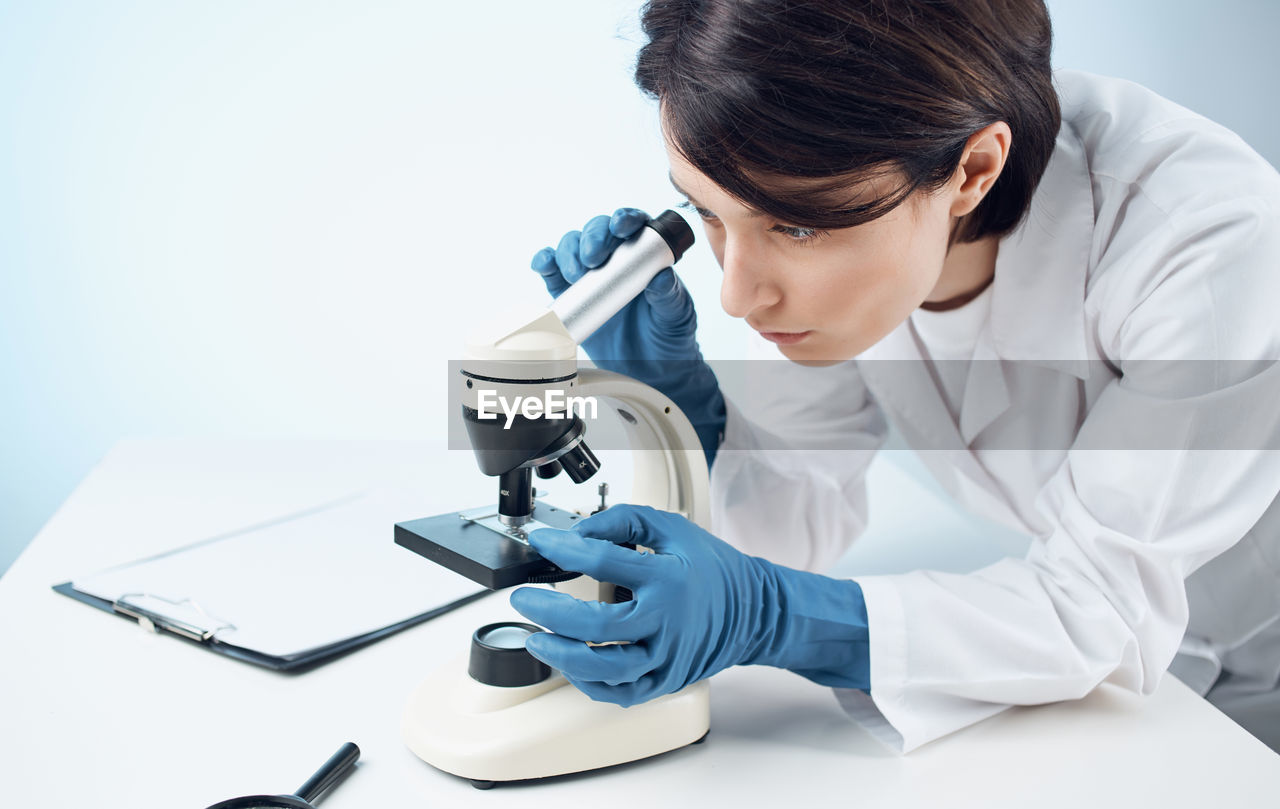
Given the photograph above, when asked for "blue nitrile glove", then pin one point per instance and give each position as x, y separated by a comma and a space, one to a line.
652, 338
700, 606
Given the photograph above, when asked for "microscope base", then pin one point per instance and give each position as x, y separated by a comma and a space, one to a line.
491, 734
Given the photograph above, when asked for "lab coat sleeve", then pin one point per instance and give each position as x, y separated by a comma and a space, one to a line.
1173, 464
788, 482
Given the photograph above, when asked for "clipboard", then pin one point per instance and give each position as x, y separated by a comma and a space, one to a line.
290, 594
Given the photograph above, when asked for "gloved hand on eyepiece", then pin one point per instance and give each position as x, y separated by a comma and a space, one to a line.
653, 338
699, 606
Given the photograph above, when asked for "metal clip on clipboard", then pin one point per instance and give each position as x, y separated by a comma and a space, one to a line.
185, 618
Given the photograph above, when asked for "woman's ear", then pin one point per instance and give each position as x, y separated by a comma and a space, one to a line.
984, 157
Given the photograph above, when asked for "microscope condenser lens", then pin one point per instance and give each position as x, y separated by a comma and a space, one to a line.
506, 637
499, 656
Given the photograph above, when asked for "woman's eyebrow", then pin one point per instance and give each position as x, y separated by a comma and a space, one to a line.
682, 192
751, 212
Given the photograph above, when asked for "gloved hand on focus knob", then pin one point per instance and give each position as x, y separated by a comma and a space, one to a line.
653, 338
699, 606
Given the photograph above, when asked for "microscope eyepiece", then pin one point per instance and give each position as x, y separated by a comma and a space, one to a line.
674, 231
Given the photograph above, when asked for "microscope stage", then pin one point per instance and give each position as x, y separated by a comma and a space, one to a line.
467, 542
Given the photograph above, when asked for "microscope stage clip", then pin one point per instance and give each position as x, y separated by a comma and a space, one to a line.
486, 518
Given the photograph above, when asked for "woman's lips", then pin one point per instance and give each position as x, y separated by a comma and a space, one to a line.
785, 338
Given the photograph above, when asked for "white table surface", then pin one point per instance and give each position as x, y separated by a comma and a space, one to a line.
96, 712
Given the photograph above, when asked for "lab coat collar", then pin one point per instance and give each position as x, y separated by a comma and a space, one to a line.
986, 391
1037, 305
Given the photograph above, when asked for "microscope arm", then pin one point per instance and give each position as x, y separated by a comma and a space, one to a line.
670, 467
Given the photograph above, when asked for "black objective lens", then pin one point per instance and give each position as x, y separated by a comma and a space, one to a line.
515, 494
580, 463
549, 470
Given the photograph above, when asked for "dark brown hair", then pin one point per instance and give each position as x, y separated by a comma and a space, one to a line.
757, 94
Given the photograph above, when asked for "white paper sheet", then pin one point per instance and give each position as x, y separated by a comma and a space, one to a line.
296, 584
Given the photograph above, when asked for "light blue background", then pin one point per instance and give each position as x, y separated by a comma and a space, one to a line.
277, 219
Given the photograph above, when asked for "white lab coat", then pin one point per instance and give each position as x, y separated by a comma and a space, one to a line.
1154, 235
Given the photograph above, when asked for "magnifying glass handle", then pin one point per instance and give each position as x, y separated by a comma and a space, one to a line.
333, 770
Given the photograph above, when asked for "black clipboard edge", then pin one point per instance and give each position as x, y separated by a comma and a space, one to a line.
292, 664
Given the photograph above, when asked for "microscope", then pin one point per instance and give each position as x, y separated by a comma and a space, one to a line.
497, 713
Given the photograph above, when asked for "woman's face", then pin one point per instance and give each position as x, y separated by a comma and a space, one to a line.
824, 296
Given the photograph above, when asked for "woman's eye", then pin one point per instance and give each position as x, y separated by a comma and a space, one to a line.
702, 212
798, 234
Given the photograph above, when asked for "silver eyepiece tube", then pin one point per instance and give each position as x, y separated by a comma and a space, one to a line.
602, 292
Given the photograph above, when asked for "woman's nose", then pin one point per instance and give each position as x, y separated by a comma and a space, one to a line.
745, 286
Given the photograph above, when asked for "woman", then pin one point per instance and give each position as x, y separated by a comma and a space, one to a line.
1058, 288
